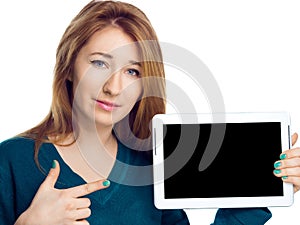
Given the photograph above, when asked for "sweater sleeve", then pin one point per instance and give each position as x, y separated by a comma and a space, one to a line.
7, 208
242, 216
174, 217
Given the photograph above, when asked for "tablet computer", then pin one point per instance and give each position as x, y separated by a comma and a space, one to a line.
219, 160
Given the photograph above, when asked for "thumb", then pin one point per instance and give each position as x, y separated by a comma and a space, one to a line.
294, 138
52, 175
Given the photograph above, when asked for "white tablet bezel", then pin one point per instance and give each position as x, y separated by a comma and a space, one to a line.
232, 202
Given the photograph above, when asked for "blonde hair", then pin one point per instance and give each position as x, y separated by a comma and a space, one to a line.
95, 16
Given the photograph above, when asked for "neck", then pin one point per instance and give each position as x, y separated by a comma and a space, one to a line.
96, 136
87, 131
98, 147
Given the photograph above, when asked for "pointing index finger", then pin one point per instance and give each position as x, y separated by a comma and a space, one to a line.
88, 188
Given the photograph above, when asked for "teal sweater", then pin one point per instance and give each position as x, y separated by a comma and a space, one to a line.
119, 204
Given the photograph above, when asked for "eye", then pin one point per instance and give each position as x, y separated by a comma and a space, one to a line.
133, 72
99, 63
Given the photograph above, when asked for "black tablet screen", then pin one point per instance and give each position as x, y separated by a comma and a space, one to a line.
243, 166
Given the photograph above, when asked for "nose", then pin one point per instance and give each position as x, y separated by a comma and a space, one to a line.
113, 86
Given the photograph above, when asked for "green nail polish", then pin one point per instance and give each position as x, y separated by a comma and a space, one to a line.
277, 164
284, 177
53, 164
282, 156
106, 183
277, 171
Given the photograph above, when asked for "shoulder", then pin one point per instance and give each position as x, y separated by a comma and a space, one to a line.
16, 149
16, 144
17, 158
17, 140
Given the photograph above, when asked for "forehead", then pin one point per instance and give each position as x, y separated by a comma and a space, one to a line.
113, 41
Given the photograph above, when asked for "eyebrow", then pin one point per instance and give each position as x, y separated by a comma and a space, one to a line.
131, 62
102, 54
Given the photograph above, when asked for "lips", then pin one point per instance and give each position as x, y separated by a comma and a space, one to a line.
106, 105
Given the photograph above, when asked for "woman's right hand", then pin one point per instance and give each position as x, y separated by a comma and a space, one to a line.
52, 206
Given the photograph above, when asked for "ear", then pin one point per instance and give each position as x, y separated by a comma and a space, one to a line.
70, 78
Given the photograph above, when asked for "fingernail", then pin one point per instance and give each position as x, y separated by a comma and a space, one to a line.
277, 171
277, 164
284, 177
106, 183
53, 164
283, 156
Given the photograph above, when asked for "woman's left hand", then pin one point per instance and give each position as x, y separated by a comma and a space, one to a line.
288, 167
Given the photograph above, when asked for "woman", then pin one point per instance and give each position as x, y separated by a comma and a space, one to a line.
108, 84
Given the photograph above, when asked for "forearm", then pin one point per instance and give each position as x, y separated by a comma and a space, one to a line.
241, 216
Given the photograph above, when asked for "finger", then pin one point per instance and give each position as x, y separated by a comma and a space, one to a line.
287, 163
88, 188
77, 203
291, 153
52, 175
82, 203
292, 180
294, 138
81, 214
82, 222
295, 171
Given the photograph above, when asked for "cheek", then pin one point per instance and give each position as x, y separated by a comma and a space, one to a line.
92, 82
134, 92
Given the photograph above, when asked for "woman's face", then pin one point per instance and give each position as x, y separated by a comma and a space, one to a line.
106, 80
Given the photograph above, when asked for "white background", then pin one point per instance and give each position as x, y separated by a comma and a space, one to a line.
251, 47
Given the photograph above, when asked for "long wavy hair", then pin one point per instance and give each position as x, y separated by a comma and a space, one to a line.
95, 16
